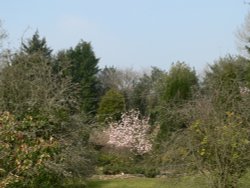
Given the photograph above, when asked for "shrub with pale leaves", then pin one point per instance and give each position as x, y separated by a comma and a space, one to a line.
23, 154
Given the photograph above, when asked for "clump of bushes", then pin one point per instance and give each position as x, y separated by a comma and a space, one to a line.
26, 154
114, 163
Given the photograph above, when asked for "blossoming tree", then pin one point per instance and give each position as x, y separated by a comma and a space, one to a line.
131, 132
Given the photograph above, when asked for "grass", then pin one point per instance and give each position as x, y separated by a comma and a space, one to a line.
183, 182
194, 182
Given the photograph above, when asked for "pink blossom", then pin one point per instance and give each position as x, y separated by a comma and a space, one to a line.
131, 132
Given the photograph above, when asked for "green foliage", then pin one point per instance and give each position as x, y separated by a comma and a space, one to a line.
25, 153
31, 88
115, 163
122, 80
46, 179
175, 88
83, 70
127, 163
179, 83
150, 172
112, 104
226, 78
46, 140
219, 143
75, 183
141, 94
145, 96
109, 79
171, 119
36, 45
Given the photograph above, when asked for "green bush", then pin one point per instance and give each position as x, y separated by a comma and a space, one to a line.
105, 159
25, 155
151, 172
111, 105
45, 179
75, 183
114, 163
112, 169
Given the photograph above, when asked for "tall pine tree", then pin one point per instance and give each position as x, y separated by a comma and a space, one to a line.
36, 45
84, 69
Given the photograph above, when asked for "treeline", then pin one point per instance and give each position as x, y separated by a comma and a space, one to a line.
63, 117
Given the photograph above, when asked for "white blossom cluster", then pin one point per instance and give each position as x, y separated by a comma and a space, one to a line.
244, 90
131, 132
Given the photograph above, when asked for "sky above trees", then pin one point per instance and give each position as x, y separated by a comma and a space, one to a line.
129, 33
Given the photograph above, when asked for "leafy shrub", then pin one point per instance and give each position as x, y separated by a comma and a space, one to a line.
75, 183
219, 141
114, 163
111, 105
151, 172
25, 155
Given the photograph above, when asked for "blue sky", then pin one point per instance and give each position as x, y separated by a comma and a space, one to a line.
132, 33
